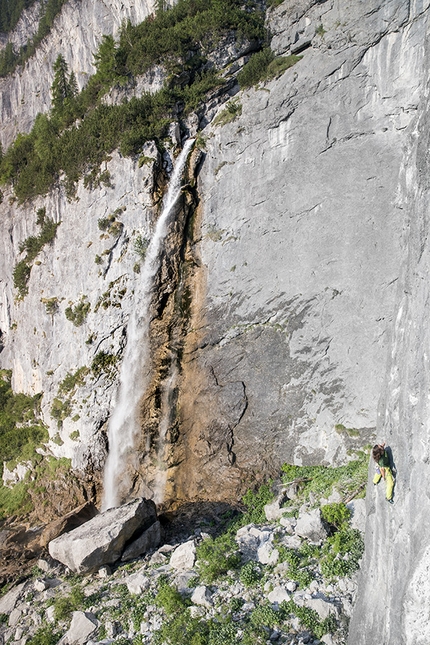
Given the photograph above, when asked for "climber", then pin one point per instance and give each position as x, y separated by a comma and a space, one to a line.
383, 470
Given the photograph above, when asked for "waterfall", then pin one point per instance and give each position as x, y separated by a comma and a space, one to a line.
135, 371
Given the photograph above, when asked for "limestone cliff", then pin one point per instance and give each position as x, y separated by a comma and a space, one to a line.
293, 289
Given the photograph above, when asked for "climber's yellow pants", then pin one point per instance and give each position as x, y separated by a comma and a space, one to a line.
389, 482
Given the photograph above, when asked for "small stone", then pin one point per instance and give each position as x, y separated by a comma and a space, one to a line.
50, 614
40, 585
137, 583
18, 634
43, 565
104, 572
158, 558
197, 612
14, 617
291, 585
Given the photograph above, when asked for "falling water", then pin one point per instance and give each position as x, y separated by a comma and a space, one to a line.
123, 424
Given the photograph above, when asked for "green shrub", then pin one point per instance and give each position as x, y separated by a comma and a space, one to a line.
232, 110
215, 556
51, 305
321, 480
264, 616
169, 599
32, 247
341, 553
45, 635
263, 66
141, 246
104, 363
73, 380
338, 515
255, 503
78, 314
21, 430
65, 605
60, 410
250, 574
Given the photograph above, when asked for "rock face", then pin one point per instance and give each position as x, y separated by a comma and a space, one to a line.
307, 266
101, 540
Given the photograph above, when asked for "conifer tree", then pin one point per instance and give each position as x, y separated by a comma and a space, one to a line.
61, 87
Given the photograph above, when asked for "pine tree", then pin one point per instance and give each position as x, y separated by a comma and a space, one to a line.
61, 86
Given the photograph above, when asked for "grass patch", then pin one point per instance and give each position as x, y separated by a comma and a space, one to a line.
232, 110
264, 66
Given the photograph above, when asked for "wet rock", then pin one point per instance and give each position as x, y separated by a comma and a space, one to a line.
101, 540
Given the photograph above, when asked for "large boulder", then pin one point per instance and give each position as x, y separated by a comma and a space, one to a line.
102, 540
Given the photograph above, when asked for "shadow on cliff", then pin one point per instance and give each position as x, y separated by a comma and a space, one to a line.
209, 517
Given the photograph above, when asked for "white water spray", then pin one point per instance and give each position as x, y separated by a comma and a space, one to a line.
134, 376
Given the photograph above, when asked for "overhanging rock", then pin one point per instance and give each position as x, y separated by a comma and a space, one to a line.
103, 539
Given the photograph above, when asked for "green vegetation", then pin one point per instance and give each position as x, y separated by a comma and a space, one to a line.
32, 247
21, 430
217, 555
141, 246
264, 66
104, 363
78, 314
65, 605
51, 305
113, 296
60, 410
81, 131
232, 110
320, 480
255, 502
73, 380
45, 635
250, 574
338, 515
10, 12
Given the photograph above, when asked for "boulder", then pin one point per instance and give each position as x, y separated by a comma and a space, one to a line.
83, 625
322, 606
68, 522
274, 510
137, 583
102, 539
9, 601
148, 540
309, 525
278, 595
202, 596
184, 556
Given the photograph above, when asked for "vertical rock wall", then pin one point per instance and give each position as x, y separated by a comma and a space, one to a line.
392, 605
301, 247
